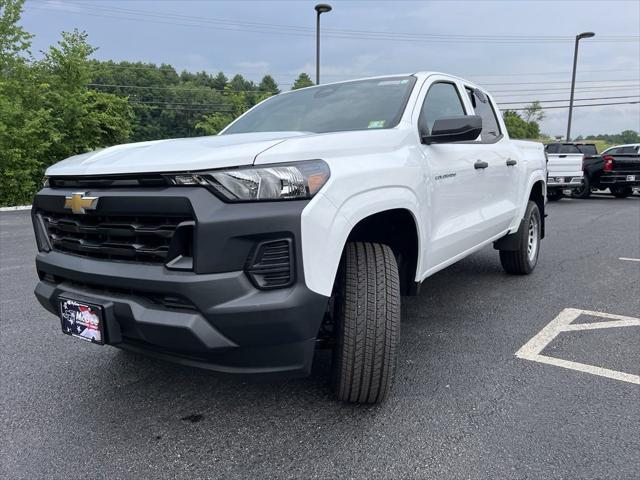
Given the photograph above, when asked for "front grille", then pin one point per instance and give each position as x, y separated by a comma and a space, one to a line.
109, 181
271, 265
145, 239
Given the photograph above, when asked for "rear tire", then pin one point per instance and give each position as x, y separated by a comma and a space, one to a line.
523, 260
367, 316
584, 190
621, 192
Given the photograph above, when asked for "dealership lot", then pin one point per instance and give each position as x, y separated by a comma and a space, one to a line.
464, 405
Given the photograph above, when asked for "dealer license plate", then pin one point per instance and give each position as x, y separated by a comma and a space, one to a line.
82, 320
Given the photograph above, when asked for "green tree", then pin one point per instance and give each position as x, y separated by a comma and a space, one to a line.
520, 128
302, 81
213, 123
85, 119
268, 85
533, 112
25, 124
220, 81
47, 112
239, 84
516, 126
14, 41
629, 136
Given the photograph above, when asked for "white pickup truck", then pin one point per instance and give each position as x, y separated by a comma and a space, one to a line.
565, 168
300, 225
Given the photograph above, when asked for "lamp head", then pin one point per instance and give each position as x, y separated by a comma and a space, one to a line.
323, 8
585, 35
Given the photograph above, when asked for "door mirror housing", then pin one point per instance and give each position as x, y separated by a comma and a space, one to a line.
453, 129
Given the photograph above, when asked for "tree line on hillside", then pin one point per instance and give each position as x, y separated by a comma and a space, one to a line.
626, 136
66, 103
167, 103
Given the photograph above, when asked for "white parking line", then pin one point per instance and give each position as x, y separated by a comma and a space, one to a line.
629, 259
15, 267
562, 323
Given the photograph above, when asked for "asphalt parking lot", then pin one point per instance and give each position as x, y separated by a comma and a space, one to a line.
464, 405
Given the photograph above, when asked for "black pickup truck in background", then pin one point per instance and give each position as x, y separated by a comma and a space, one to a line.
617, 168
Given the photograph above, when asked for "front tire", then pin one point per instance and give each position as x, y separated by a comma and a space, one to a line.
523, 260
621, 192
367, 316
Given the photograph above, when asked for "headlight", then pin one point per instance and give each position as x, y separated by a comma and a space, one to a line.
287, 181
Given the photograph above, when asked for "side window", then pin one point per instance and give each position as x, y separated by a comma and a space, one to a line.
569, 148
614, 151
628, 150
553, 148
442, 100
482, 106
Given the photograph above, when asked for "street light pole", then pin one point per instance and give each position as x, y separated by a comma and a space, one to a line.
573, 78
320, 9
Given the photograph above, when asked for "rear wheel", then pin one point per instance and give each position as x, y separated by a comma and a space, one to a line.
523, 260
584, 190
367, 323
621, 192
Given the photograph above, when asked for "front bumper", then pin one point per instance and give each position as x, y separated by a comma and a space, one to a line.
214, 316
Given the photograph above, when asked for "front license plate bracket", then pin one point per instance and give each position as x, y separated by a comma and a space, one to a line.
82, 319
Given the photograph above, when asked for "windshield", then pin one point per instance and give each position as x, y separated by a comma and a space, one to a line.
359, 105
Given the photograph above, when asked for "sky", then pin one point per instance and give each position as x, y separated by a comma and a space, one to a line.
502, 45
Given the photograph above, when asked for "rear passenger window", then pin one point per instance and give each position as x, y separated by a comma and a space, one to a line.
442, 100
482, 106
628, 150
569, 148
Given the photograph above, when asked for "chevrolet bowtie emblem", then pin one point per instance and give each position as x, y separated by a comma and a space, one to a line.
78, 203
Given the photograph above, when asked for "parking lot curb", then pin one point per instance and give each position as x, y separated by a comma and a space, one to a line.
17, 207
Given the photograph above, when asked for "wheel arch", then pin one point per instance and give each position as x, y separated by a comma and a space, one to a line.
396, 228
381, 215
537, 194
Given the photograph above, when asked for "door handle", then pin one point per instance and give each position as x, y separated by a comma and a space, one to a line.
480, 165
511, 163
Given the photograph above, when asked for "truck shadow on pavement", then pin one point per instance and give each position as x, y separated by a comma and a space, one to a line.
200, 396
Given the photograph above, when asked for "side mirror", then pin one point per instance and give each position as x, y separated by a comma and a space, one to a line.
453, 129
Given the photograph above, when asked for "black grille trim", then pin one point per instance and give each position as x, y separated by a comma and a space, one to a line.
143, 239
271, 265
110, 181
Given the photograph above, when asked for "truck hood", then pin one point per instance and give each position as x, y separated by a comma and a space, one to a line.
181, 154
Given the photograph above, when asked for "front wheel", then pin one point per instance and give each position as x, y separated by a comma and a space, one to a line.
621, 192
523, 260
367, 323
